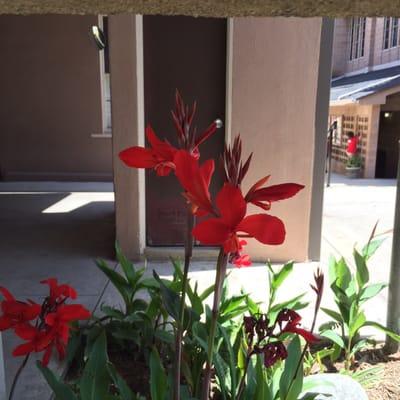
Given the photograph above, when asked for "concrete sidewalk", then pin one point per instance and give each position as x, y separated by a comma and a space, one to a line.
58, 229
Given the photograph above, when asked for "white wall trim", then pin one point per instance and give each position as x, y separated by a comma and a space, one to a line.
141, 129
229, 80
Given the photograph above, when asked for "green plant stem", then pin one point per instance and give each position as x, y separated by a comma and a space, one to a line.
303, 354
348, 357
219, 281
17, 375
180, 328
242, 381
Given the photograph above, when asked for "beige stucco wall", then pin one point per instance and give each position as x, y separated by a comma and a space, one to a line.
50, 101
275, 84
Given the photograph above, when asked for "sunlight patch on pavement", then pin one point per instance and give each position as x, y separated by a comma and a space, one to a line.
74, 201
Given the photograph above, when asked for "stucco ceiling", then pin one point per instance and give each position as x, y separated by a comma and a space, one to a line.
216, 8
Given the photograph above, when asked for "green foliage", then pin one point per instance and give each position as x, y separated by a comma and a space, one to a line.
144, 327
351, 291
100, 379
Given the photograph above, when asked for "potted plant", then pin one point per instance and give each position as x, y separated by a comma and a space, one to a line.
354, 166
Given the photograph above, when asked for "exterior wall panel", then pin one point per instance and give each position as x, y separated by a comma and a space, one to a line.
51, 100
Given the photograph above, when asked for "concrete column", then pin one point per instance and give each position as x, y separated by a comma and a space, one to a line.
126, 66
372, 142
280, 78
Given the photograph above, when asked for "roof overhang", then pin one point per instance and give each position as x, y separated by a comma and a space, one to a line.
345, 102
211, 8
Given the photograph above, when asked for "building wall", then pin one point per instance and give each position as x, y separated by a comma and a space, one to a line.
50, 101
266, 93
381, 55
360, 119
374, 53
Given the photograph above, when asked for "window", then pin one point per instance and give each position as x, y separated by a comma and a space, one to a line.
357, 38
105, 72
100, 36
390, 32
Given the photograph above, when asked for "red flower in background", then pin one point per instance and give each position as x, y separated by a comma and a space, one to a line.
52, 320
225, 229
37, 340
16, 312
59, 292
159, 156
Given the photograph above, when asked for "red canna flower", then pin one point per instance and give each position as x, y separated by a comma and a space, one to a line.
225, 230
195, 179
264, 196
59, 293
59, 328
16, 312
37, 339
160, 156
183, 119
292, 320
273, 352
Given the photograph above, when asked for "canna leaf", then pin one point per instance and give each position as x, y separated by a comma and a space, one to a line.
95, 380
371, 291
334, 337
291, 382
60, 389
362, 273
279, 277
158, 378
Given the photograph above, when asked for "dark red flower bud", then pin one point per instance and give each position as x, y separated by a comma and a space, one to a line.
249, 325
273, 352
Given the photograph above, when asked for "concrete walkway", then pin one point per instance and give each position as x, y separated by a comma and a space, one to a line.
59, 232
51, 230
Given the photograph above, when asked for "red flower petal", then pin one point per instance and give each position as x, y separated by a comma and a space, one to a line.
265, 228
162, 149
275, 192
5, 323
26, 331
138, 157
194, 179
308, 336
6, 294
23, 349
47, 355
72, 312
231, 205
257, 185
212, 231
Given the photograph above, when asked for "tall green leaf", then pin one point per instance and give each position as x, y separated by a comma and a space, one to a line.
370, 248
158, 378
291, 383
123, 388
279, 277
95, 380
362, 273
171, 299
334, 337
60, 389
371, 291
382, 328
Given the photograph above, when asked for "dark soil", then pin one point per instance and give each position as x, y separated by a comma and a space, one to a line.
135, 372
